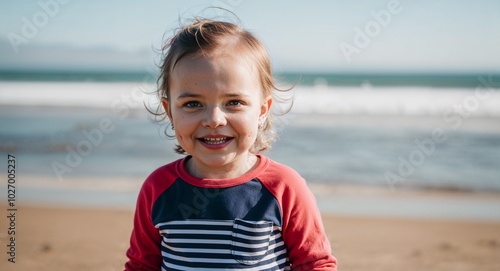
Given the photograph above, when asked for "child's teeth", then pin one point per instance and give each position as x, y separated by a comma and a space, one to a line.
215, 140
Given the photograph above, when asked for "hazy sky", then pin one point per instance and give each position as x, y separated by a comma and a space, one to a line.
331, 36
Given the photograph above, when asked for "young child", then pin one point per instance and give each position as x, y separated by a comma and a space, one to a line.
223, 206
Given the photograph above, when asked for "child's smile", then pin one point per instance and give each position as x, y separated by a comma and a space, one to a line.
216, 106
215, 141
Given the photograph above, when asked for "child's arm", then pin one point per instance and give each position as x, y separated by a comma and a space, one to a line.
144, 252
305, 238
303, 233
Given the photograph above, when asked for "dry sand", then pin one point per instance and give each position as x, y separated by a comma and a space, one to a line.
57, 238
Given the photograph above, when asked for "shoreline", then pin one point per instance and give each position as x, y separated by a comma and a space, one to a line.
333, 199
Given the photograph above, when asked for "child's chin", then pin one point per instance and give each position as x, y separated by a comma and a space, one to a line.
217, 160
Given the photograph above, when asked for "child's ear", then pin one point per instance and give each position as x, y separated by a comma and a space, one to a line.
166, 106
265, 108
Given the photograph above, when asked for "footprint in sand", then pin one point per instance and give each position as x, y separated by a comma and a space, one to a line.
446, 246
490, 243
45, 247
416, 253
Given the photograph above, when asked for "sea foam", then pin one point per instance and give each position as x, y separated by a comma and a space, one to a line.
320, 99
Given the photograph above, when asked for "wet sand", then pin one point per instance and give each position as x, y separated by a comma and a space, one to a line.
74, 238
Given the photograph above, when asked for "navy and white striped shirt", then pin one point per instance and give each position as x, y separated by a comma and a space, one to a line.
266, 219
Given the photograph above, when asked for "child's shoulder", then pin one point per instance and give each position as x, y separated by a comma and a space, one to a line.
286, 184
163, 175
278, 174
278, 169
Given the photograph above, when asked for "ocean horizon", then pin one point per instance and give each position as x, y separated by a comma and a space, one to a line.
436, 80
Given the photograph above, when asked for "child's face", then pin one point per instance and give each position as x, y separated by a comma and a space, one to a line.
216, 106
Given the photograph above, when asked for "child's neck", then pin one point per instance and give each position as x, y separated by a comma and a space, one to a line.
233, 170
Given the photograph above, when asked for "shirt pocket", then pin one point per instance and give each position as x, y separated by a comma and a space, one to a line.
250, 240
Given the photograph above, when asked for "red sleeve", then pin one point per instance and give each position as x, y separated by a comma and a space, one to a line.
144, 252
303, 232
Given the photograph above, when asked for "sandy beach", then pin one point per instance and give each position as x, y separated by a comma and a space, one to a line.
75, 238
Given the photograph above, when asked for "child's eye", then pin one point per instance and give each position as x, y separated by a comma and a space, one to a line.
235, 103
192, 104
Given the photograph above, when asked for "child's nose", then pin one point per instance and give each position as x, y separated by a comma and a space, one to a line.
214, 118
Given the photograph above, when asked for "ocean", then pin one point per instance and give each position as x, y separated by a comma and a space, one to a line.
399, 131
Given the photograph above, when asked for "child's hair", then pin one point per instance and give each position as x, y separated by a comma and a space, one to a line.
204, 37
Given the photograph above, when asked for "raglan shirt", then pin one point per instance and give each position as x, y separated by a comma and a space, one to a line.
266, 219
